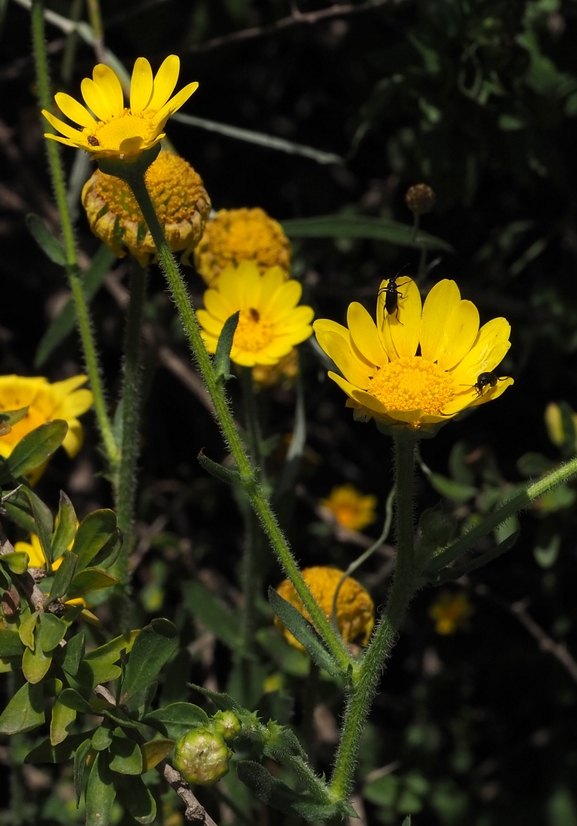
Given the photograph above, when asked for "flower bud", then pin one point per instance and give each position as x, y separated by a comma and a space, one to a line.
420, 199
227, 725
202, 757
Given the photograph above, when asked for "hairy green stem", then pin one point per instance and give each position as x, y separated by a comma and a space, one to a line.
259, 501
72, 267
362, 692
131, 407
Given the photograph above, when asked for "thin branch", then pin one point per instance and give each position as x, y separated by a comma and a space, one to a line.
195, 812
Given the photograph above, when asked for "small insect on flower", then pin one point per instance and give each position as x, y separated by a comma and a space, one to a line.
392, 295
488, 379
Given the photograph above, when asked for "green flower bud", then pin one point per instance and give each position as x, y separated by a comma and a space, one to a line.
202, 757
227, 725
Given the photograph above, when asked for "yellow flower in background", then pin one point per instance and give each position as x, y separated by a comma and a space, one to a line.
451, 611
37, 559
270, 323
556, 426
351, 509
419, 365
180, 201
111, 130
355, 609
236, 235
45, 402
283, 373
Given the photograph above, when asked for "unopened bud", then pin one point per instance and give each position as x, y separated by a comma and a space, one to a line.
202, 757
420, 199
227, 725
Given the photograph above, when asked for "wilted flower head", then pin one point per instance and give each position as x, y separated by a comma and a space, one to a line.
179, 198
236, 235
354, 610
111, 130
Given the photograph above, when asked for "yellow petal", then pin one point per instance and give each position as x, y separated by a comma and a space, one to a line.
350, 366
75, 405
69, 131
401, 330
368, 401
364, 334
74, 111
141, 86
95, 99
164, 82
487, 352
216, 305
110, 87
174, 104
461, 330
284, 300
61, 389
490, 393
439, 304
74, 438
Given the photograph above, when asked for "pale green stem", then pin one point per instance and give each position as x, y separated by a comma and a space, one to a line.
126, 482
72, 267
363, 690
253, 489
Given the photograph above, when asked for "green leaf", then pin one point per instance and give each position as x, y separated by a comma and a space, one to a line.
63, 577
17, 561
74, 653
100, 793
221, 361
154, 645
110, 652
137, 799
64, 322
27, 627
363, 226
102, 738
63, 716
534, 464
449, 574
51, 630
176, 719
24, 712
65, 526
230, 477
126, 756
457, 491
43, 521
91, 579
12, 417
35, 664
153, 751
212, 612
19, 511
36, 447
10, 643
224, 702
50, 245
304, 633
80, 767
45, 752
92, 535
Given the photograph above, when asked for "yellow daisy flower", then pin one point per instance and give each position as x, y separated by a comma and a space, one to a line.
179, 198
111, 130
36, 559
45, 402
350, 508
284, 373
418, 365
236, 235
270, 323
355, 608
451, 612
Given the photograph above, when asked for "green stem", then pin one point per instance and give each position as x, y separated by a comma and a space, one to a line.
131, 407
72, 266
378, 651
259, 501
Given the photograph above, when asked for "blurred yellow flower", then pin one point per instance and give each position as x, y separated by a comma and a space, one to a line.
45, 402
119, 132
270, 323
555, 425
37, 559
283, 373
416, 366
179, 198
451, 611
355, 609
351, 508
236, 235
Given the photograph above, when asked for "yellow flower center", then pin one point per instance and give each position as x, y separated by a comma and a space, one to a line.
412, 383
252, 333
127, 126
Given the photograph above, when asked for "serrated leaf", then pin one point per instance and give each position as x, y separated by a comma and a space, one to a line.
363, 226
50, 631
10, 643
93, 533
221, 361
74, 653
126, 756
212, 612
100, 793
50, 245
176, 719
91, 579
64, 526
154, 751
63, 577
80, 767
35, 664
137, 799
24, 712
154, 645
36, 447
304, 632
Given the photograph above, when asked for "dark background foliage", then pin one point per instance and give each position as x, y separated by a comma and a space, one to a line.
479, 100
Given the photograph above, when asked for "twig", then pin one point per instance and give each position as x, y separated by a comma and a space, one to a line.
195, 812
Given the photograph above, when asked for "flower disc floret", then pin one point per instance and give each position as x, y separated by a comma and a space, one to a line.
111, 130
419, 365
237, 235
270, 323
355, 610
179, 198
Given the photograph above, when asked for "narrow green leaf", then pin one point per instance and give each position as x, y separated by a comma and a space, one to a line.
304, 633
363, 226
51, 630
223, 701
36, 447
17, 561
108, 554
126, 756
176, 719
12, 417
449, 574
80, 766
35, 664
19, 511
63, 324
43, 522
24, 712
154, 751
212, 612
137, 799
93, 533
100, 793
230, 477
63, 577
153, 647
10, 643
221, 362
91, 579
50, 245
64, 526
74, 653
62, 718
